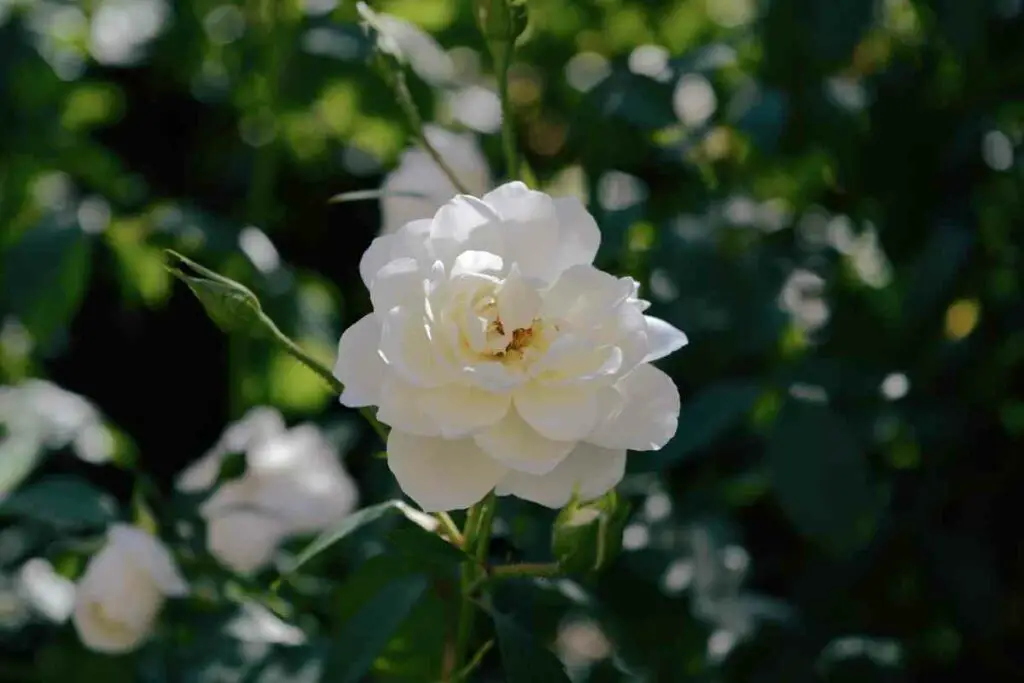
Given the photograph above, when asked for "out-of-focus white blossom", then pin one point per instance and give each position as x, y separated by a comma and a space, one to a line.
48, 592
122, 590
418, 174
50, 417
502, 358
293, 484
410, 45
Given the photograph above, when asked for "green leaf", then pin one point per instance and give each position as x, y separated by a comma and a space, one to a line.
19, 455
523, 659
361, 195
414, 653
64, 502
410, 536
366, 634
702, 420
821, 478
45, 275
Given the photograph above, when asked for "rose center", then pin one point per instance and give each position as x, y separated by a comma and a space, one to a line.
521, 338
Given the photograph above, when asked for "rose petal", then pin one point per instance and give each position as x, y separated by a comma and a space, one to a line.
562, 412
459, 410
477, 262
518, 445
406, 347
244, 540
518, 302
662, 338
359, 366
441, 474
375, 256
584, 296
148, 553
397, 282
402, 406
590, 471
465, 224
647, 415
530, 224
578, 233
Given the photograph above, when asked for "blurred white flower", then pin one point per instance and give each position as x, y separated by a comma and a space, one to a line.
418, 174
293, 484
803, 297
243, 540
55, 418
48, 592
257, 624
121, 29
122, 590
716, 577
694, 100
477, 107
410, 45
581, 643
502, 358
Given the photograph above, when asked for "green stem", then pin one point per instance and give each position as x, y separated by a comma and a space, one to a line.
301, 355
474, 662
477, 542
502, 62
396, 79
448, 524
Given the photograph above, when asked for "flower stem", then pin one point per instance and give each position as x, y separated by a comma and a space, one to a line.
474, 662
396, 79
301, 355
450, 528
503, 60
477, 536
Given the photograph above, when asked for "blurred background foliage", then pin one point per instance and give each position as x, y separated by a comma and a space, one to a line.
825, 195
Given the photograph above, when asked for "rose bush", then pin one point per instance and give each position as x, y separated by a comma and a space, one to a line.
502, 358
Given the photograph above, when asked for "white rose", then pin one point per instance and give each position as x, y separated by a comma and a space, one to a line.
502, 358
418, 173
243, 539
123, 589
256, 426
293, 484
